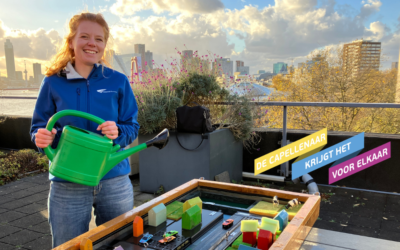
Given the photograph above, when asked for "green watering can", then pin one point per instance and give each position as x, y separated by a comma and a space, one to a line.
84, 157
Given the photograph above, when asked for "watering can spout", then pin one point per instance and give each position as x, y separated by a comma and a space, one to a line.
159, 141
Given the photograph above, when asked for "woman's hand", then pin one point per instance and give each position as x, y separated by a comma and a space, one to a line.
109, 129
44, 137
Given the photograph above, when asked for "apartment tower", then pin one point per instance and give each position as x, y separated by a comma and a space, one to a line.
140, 49
10, 63
37, 72
361, 55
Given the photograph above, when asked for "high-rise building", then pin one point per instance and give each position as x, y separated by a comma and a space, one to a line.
140, 49
10, 63
18, 75
279, 67
187, 54
239, 64
187, 59
361, 55
260, 71
149, 59
37, 72
395, 65
226, 66
244, 70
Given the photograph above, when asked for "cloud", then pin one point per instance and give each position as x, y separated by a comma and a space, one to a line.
32, 46
369, 8
289, 29
378, 31
129, 7
278, 32
37, 44
162, 35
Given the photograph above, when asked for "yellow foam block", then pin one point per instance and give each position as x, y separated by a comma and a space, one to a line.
249, 226
267, 209
192, 202
269, 225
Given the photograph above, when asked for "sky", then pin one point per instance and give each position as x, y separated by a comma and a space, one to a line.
258, 32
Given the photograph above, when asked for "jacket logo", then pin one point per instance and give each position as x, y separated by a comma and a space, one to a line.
105, 91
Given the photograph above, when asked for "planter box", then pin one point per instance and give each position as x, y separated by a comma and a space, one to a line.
119, 231
134, 159
172, 166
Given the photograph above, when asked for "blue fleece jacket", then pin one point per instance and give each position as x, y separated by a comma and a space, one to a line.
105, 93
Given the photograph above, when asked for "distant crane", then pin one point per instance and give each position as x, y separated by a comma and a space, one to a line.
134, 64
26, 74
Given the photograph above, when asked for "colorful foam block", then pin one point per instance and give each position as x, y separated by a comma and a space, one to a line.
249, 226
250, 237
269, 225
177, 215
243, 247
191, 218
265, 240
157, 215
137, 226
192, 202
239, 241
174, 206
283, 218
266, 209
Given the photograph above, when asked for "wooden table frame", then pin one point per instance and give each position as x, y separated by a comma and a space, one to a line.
291, 238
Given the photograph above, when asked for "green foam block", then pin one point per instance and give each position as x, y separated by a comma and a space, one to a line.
177, 215
173, 207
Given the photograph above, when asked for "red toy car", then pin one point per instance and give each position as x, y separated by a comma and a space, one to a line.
227, 224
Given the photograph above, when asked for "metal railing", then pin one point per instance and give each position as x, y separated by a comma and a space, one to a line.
18, 97
284, 170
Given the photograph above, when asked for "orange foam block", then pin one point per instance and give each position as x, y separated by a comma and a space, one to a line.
137, 226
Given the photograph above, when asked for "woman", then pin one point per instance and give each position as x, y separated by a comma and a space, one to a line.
77, 79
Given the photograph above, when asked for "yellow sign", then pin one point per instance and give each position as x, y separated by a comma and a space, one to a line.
303, 147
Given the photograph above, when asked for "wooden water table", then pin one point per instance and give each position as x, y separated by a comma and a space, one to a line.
220, 201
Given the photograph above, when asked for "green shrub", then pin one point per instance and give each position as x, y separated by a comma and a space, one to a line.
162, 90
17, 164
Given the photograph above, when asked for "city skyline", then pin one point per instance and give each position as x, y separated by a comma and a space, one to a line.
259, 33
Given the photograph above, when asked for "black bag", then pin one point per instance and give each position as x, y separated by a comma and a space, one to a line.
195, 119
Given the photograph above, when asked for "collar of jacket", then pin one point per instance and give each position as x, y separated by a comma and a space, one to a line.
71, 73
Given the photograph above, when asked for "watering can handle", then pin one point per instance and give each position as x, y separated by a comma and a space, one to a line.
67, 112
51, 152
